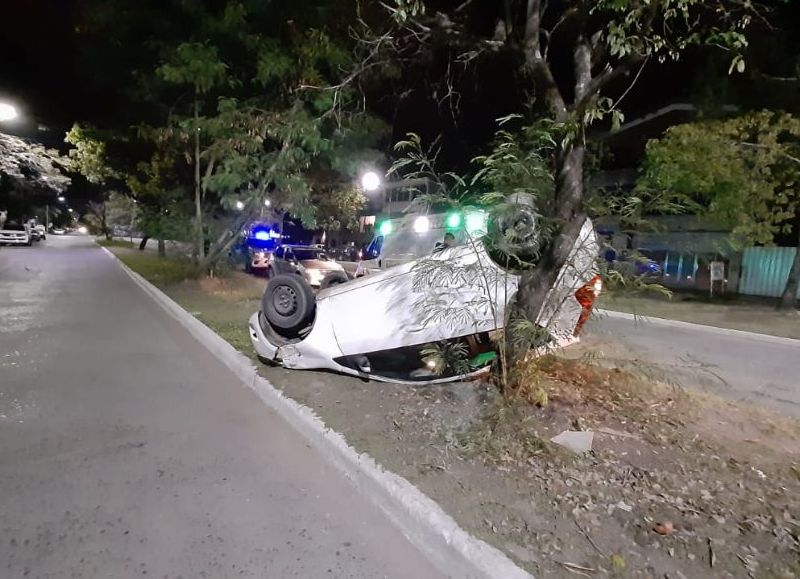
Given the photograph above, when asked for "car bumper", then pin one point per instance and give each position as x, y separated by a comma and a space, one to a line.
14, 240
259, 260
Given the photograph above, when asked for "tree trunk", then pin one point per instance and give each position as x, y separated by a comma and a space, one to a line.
198, 202
108, 234
143, 242
162, 247
789, 298
537, 282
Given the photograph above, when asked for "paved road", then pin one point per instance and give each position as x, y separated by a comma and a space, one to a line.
736, 365
126, 450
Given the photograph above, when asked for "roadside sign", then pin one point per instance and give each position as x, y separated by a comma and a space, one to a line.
717, 271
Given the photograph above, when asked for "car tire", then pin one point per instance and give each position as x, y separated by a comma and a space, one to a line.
288, 304
333, 278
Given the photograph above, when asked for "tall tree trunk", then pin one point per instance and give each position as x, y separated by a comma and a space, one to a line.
537, 282
789, 298
162, 247
143, 242
198, 202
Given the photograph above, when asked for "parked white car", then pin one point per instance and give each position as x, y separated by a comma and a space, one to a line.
15, 234
378, 326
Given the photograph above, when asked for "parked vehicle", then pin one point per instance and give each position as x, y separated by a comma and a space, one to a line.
255, 246
380, 326
631, 263
15, 234
311, 261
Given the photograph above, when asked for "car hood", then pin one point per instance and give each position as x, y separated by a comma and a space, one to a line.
321, 265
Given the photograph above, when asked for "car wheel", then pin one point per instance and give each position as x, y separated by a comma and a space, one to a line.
288, 304
333, 278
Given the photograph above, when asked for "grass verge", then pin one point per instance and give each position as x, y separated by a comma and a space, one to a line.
113, 243
748, 317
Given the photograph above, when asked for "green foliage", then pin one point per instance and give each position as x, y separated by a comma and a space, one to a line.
88, 157
743, 171
339, 208
443, 356
196, 64
162, 207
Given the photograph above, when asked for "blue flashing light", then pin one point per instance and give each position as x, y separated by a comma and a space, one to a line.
262, 235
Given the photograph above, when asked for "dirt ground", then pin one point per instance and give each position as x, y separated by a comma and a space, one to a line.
677, 485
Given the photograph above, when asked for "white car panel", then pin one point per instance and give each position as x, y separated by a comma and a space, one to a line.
385, 311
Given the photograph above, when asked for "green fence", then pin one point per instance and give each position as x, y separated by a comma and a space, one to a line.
765, 270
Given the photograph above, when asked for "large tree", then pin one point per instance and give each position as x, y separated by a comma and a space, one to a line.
222, 80
30, 175
571, 61
742, 171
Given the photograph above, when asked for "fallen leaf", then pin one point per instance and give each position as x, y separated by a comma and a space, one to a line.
664, 528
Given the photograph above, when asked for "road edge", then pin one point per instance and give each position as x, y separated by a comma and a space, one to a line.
422, 520
699, 327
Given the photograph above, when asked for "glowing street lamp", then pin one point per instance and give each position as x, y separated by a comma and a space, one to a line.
8, 112
62, 198
239, 205
267, 203
370, 181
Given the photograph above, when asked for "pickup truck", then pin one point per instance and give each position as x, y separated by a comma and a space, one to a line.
15, 234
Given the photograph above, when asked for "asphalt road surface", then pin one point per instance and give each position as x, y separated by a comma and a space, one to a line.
127, 450
744, 367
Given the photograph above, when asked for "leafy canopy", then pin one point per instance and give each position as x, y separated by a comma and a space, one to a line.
743, 171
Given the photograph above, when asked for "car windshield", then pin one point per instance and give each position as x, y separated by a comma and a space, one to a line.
14, 227
304, 254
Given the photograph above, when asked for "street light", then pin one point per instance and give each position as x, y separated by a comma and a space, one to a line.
370, 181
239, 205
62, 198
70, 209
267, 202
8, 112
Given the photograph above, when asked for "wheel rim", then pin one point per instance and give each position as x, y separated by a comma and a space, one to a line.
285, 300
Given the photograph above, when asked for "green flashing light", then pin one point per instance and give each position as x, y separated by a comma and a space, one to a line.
476, 222
385, 228
453, 221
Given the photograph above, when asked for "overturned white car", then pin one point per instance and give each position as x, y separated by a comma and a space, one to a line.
384, 325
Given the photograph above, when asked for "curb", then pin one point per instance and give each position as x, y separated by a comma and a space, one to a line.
435, 533
700, 328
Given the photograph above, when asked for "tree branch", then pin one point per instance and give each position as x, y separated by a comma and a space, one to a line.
536, 64
602, 80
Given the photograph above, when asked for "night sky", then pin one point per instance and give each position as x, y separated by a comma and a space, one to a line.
40, 68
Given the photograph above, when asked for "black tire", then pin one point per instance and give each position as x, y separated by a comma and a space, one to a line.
333, 278
288, 304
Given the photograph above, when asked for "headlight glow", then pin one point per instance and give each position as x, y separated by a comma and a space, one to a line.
421, 224
476, 222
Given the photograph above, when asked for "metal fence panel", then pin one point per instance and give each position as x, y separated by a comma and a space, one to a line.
765, 270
